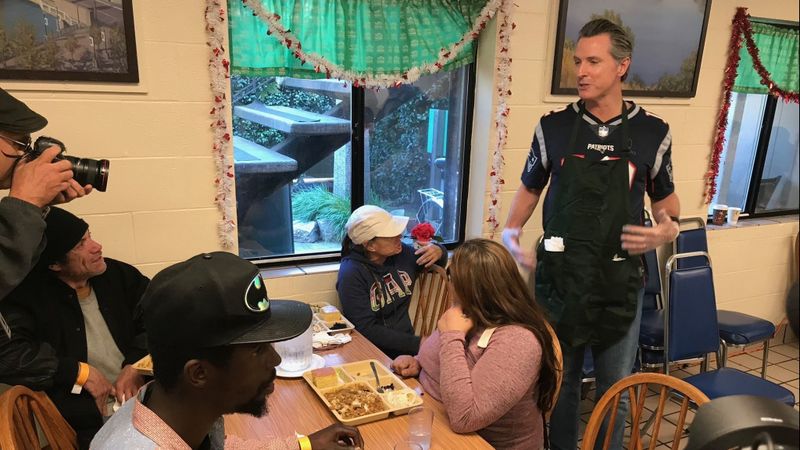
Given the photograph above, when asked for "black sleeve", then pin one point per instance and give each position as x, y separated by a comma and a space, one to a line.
355, 294
21, 241
536, 172
27, 361
661, 183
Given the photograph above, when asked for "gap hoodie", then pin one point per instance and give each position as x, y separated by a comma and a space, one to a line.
376, 298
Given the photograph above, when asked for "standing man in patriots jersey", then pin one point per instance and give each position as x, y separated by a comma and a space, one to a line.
600, 154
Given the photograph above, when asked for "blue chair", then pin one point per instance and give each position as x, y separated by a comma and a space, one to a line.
690, 331
736, 329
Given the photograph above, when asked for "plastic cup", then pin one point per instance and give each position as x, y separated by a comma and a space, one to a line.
733, 215
405, 445
420, 423
718, 213
296, 353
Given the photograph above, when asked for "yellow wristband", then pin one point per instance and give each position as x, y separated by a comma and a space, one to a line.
83, 374
305, 443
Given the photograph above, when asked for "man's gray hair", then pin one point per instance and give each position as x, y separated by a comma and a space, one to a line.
621, 43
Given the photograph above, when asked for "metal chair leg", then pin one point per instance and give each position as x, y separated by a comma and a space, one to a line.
764, 360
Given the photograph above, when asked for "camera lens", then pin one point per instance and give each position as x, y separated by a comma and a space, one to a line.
90, 171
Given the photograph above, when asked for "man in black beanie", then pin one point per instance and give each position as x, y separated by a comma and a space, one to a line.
75, 327
33, 185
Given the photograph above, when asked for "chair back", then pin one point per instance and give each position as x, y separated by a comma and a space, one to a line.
639, 386
691, 240
691, 330
433, 290
21, 409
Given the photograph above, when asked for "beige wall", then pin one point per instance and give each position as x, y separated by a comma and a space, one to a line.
159, 208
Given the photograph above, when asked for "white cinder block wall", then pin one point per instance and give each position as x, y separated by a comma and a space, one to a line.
159, 208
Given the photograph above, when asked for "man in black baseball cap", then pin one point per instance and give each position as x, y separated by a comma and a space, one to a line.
34, 184
209, 327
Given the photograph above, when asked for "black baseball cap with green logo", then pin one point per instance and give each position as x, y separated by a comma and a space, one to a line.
216, 299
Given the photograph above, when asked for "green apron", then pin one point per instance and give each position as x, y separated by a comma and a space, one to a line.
585, 281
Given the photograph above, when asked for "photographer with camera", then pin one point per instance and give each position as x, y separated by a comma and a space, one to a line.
34, 182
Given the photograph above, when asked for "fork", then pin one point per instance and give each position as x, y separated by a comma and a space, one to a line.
377, 380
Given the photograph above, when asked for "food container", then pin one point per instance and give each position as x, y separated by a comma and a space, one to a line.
357, 378
320, 310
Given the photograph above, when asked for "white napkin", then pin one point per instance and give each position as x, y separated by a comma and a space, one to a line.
323, 339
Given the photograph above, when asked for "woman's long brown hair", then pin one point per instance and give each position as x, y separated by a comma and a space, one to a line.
492, 293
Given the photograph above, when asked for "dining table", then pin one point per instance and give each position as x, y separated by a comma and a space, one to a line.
295, 408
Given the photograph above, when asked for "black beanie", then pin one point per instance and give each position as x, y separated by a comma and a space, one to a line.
16, 117
64, 231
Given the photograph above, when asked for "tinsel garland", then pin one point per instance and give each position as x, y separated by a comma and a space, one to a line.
741, 29
321, 64
219, 68
502, 111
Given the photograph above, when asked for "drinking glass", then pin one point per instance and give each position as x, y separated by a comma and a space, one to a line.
406, 445
420, 422
296, 353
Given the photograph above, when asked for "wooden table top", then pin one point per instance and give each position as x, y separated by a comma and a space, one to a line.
294, 407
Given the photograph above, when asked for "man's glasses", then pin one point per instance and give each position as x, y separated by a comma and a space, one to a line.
23, 147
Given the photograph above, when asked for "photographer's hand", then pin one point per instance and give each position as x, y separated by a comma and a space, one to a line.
42, 180
74, 191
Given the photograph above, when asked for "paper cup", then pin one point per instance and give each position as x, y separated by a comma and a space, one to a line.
718, 214
733, 215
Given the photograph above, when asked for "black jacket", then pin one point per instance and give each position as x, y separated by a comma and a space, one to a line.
48, 336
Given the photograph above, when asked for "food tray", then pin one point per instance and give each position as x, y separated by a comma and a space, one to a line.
321, 325
144, 365
359, 374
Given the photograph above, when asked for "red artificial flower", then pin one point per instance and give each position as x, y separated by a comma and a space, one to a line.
423, 232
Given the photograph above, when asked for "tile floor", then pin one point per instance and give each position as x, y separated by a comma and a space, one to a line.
783, 368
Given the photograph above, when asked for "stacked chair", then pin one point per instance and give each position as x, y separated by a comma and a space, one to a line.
735, 329
690, 332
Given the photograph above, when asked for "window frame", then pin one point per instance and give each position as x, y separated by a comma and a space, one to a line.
357, 105
759, 162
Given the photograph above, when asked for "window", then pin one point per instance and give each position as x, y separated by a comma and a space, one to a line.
759, 166
308, 152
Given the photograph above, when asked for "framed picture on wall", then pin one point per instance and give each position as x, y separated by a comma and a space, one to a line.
69, 40
668, 39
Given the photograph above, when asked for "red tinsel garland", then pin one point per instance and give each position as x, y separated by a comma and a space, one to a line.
741, 26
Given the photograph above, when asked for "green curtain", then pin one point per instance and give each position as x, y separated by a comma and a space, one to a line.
374, 37
778, 49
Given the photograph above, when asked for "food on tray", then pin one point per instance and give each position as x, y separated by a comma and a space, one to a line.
388, 387
328, 309
325, 377
355, 400
338, 326
319, 327
317, 307
330, 316
400, 399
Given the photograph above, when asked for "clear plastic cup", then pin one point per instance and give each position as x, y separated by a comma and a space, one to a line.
296, 353
420, 423
405, 445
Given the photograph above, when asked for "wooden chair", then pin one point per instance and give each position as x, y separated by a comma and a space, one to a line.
638, 385
433, 290
21, 409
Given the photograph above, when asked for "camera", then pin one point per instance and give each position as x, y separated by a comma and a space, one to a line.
85, 170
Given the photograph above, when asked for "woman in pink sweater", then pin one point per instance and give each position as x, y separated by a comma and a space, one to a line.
491, 362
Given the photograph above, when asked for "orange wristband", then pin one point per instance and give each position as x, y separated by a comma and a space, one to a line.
83, 374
